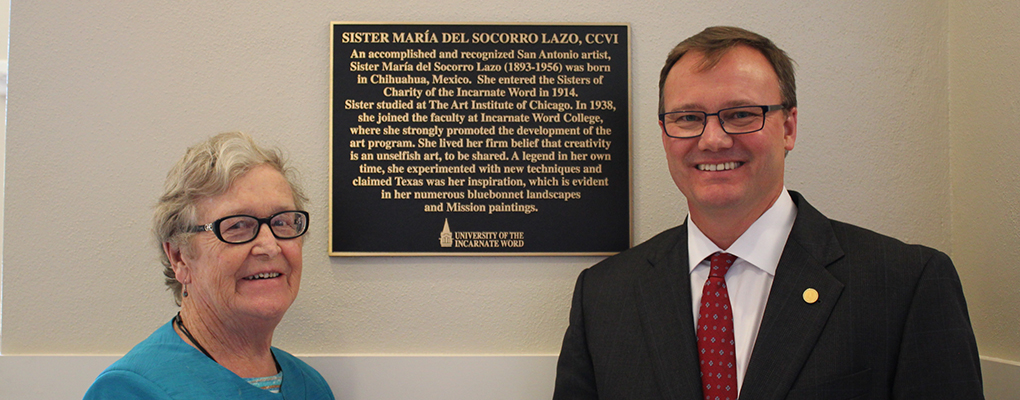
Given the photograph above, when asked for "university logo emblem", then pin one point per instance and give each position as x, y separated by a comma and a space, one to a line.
446, 237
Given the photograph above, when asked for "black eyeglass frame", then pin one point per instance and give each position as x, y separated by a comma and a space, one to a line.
214, 226
765, 110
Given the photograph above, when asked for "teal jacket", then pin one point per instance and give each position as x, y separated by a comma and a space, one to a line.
165, 367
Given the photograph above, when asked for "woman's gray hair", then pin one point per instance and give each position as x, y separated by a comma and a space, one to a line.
206, 170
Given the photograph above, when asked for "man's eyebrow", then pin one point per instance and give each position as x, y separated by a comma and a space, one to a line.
739, 103
688, 107
699, 107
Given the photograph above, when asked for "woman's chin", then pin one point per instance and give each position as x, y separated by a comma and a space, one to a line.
265, 307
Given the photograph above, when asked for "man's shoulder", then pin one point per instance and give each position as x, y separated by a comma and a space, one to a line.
846, 230
856, 238
656, 248
869, 253
811, 226
866, 250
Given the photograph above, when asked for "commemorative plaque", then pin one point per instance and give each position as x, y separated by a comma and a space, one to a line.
491, 139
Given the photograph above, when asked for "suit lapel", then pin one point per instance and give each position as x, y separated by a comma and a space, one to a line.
664, 303
791, 326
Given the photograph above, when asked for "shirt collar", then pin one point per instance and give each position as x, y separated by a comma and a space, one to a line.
761, 244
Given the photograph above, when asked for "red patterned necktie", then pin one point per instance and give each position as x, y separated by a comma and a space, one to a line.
715, 334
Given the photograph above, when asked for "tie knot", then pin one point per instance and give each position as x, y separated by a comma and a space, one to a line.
721, 262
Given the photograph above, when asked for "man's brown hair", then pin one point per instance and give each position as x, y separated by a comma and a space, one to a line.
714, 42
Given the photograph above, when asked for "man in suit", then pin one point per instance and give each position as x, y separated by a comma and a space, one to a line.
811, 308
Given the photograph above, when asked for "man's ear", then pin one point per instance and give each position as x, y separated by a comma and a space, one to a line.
790, 127
181, 267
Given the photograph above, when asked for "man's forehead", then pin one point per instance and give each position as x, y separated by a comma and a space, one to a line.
738, 64
738, 77
698, 60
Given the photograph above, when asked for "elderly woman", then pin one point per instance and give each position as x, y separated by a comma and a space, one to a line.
229, 227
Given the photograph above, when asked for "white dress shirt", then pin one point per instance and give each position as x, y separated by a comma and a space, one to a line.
749, 280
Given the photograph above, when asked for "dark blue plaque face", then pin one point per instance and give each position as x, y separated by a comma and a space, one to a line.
480, 139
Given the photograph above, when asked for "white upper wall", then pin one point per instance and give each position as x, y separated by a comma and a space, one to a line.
5, 18
984, 71
106, 95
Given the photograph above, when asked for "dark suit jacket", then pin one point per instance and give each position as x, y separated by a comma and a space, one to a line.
890, 322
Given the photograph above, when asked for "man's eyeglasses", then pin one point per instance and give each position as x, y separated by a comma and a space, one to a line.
733, 120
239, 229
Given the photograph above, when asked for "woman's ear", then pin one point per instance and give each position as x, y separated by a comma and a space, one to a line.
182, 270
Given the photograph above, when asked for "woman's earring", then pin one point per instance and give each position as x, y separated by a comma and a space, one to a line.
185, 294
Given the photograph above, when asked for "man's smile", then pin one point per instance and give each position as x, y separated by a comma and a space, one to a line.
719, 167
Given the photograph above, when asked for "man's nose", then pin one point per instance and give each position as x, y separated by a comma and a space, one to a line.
714, 138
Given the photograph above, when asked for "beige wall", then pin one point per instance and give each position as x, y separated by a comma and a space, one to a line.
985, 121
105, 96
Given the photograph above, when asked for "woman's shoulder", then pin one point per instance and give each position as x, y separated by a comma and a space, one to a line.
161, 350
298, 375
125, 384
151, 370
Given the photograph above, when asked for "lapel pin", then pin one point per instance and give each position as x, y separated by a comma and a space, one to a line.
810, 296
